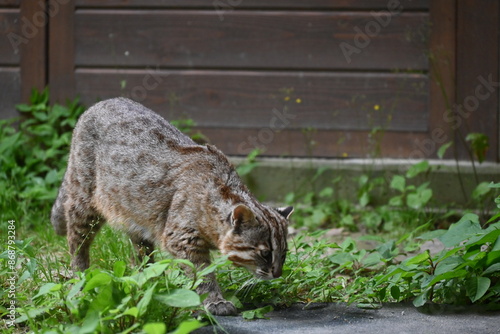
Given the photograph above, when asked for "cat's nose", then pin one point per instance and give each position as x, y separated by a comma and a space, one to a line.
277, 272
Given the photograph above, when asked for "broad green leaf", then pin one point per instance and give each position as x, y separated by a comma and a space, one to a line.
257, 313
395, 292
188, 326
431, 235
98, 280
481, 190
90, 323
46, 288
75, 289
419, 199
420, 300
398, 182
448, 275
492, 269
422, 257
179, 298
119, 268
418, 168
476, 287
154, 270
442, 150
448, 264
104, 299
155, 328
388, 250
146, 299
364, 199
461, 231
133, 311
396, 201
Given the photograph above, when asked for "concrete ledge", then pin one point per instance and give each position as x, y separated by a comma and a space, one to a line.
273, 178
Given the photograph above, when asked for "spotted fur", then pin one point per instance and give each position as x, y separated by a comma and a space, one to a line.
131, 168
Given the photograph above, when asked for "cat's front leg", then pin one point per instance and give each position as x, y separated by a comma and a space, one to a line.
200, 257
215, 302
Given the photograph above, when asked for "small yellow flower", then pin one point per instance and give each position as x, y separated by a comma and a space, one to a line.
344, 155
287, 98
298, 100
376, 107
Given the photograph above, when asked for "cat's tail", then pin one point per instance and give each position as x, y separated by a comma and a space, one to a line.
57, 216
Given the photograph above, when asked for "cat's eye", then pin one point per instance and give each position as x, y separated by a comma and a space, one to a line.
265, 253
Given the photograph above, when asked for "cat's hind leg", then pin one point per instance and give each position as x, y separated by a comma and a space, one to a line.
83, 225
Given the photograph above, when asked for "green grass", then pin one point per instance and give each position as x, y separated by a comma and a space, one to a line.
114, 296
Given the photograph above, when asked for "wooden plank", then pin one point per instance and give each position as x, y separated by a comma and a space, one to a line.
325, 144
442, 94
34, 51
61, 52
240, 4
478, 71
245, 99
10, 3
11, 36
10, 94
250, 39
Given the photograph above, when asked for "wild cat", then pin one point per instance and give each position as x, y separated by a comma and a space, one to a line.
131, 168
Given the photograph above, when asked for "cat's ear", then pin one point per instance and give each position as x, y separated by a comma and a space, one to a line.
285, 212
240, 215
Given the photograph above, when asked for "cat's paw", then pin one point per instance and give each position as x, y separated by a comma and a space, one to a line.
221, 307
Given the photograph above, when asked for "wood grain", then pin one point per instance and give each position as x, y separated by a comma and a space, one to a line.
478, 33
241, 4
244, 99
34, 51
10, 91
325, 144
11, 36
250, 40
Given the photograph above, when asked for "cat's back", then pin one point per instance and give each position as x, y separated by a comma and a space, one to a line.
123, 122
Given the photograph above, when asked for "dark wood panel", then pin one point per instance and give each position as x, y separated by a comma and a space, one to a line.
245, 99
11, 36
61, 53
478, 27
240, 4
327, 144
10, 3
10, 93
253, 39
442, 93
34, 51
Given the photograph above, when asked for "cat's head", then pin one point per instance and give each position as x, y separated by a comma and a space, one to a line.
257, 240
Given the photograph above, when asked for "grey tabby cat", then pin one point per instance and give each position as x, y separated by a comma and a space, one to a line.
130, 167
